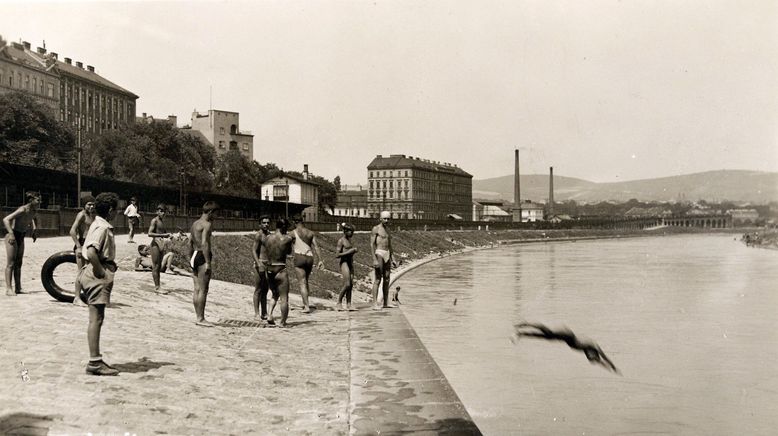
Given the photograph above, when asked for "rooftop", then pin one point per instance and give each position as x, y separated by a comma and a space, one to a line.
400, 161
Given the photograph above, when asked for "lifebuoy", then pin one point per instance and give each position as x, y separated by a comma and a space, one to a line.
47, 276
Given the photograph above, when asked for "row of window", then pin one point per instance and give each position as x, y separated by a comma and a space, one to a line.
33, 84
389, 173
234, 145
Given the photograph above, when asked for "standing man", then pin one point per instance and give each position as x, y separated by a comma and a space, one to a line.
16, 224
304, 239
260, 263
157, 233
133, 218
381, 246
78, 233
96, 277
278, 246
200, 259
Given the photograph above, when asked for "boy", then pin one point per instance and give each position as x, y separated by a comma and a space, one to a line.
78, 232
95, 279
17, 223
200, 259
133, 218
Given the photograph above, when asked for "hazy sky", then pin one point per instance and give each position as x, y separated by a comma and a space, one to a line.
601, 90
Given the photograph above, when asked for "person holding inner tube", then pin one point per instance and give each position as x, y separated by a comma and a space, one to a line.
95, 279
78, 232
157, 233
16, 224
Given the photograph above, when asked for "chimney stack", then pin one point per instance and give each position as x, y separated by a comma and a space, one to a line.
41, 50
516, 189
26, 45
80, 64
305, 171
90, 68
550, 192
55, 55
69, 61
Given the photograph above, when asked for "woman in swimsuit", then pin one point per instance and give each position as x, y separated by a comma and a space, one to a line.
345, 252
16, 224
157, 232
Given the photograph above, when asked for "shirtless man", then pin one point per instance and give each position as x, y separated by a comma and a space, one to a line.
78, 233
278, 246
304, 239
260, 264
345, 254
16, 224
592, 351
200, 259
157, 233
381, 246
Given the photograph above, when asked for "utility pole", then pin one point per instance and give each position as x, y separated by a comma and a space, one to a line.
78, 192
286, 183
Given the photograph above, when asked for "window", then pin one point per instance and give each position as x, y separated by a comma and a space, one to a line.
406, 173
221, 130
11, 79
41, 88
233, 145
34, 84
371, 174
245, 146
233, 129
26, 81
221, 144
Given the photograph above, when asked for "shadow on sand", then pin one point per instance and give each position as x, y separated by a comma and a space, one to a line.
142, 365
22, 423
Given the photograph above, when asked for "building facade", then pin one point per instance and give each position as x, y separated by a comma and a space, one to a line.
415, 188
484, 210
21, 71
222, 130
530, 212
351, 202
74, 92
295, 190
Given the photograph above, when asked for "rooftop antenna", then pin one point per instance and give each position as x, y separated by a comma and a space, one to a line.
210, 108
44, 43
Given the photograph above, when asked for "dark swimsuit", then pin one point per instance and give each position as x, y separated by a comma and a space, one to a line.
19, 236
198, 260
80, 244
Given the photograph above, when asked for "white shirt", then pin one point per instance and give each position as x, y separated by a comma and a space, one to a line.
131, 211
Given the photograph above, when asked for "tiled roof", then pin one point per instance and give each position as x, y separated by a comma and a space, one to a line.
289, 176
24, 57
91, 76
399, 161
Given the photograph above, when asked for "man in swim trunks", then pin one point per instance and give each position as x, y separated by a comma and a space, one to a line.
16, 224
260, 264
200, 259
304, 239
96, 278
133, 217
278, 246
78, 232
345, 253
381, 246
157, 233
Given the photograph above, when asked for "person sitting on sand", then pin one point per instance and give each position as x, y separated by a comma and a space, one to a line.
345, 253
592, 351
143, 261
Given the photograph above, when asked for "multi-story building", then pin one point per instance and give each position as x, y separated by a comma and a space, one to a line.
222, 130
415, 188
22, 71
75, 94
530, 212
293, 189
351, 202
485, 210
148, 119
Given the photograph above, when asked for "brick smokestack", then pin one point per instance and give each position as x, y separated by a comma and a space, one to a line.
516, 189
550, 191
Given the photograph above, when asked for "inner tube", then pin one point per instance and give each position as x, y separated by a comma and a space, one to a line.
47, 276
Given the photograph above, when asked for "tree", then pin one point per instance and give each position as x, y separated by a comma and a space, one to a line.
336, 182
31, 135
236, 175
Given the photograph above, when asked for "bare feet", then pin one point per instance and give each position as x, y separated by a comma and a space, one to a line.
350, 308
10, 293
306, 309
339, 307
205, 323
161, 291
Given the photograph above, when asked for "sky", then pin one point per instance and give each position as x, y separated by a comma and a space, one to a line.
601, 90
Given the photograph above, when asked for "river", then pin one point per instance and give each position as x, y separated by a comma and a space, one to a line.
691, 321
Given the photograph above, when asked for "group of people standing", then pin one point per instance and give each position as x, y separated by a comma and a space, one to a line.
95, 249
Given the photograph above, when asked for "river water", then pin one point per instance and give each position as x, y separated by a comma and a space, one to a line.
691, 321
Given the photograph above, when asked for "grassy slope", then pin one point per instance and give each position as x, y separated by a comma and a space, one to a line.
233, 261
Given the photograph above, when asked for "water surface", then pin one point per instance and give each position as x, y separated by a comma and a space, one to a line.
690, 320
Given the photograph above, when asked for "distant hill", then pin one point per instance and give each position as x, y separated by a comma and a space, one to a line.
733, 185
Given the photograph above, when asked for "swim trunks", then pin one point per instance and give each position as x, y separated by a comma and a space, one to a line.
303, 261
197, 260
19, 236
385, 255
80, 244
134, 221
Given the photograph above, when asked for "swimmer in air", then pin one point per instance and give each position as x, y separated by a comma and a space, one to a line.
592, 351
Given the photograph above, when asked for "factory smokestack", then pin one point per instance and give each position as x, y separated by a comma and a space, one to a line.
550, 192
516, 189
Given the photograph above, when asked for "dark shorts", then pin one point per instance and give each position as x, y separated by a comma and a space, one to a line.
304, 261
19, 236
134, 221
197, 260
80, 244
